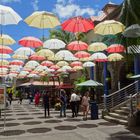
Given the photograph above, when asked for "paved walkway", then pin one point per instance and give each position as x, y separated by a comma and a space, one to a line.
27, 122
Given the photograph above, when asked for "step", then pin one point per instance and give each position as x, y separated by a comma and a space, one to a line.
122, 112
114, 120
118, 116
125, 108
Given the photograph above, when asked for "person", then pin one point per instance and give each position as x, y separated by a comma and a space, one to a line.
46, 104
85, 105
63, 101
78, 100
10, 97
73, 104
37, 98
20, 98
30, 98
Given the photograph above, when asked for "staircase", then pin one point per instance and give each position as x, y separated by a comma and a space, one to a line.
121, 104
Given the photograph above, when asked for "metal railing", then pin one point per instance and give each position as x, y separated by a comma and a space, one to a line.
121, 96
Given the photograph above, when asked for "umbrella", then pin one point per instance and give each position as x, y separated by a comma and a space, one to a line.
88, 64
47, 63
115, 57
17, 62
115, 48
54, 44
109, 27
33, 76
45, 53
85, 59
24, 51
99, 57
90, 83
81, 54
66, 68
31, 64
37, 57
77, 24
6, 40
24, 72
72, 58
4, 62
54, 67
62, 63
55, 58
22, 57
64, 54
5, 49
77, 68
77, 46
5, 56
40, 68
76, 63
30, 42
97, 46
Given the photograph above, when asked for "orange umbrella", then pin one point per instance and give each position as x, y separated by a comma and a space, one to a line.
81, 54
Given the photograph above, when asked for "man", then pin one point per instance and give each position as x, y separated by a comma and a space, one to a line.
73, 100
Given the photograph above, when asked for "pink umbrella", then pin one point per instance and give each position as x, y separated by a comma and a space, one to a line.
5, 50
37, 57
30, 42
47, 63
17, 62
76, 63
54, 67
77, 46
115, 48
81, 54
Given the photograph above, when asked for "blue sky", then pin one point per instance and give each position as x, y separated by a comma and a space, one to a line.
62, 8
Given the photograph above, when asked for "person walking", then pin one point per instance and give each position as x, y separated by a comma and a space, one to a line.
63, 101
73, 104
37, 98
10, 97
46, 104
85, 105
78, 101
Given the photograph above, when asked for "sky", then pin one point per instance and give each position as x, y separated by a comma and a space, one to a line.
64, 9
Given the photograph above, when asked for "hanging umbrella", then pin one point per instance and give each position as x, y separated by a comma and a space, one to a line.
71, 58
27, 69
17, 62
24, 51
37, 57
46, 53
66, 68
31, 64
77, 68
5, 56
5, 50
81, 54
64, 54
40, 68
54, 44
88, 64
47, 63
6, 40
97, 46
115, 48
99, 57
30, 42
115, 57
77, 24
54, 67
24, 72
22, 57
109, 27
62, 63
55, 58
90, 83
4, 62
76, 63
33, 76
85, 59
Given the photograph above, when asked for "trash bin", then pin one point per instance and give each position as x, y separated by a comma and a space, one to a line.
94, 110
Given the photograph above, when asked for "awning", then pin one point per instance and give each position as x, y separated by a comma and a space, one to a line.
66, 86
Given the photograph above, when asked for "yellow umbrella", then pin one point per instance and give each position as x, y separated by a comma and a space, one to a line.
85, 59
77, 68
55, 58
22, 57
115, 57
42, 19
62, 63
109, 27
46, 53
6, 40
96, 47
4, 62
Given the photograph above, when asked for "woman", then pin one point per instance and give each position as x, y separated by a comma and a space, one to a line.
37, 99
85, 105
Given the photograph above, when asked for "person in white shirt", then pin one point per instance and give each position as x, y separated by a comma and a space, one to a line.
78, 101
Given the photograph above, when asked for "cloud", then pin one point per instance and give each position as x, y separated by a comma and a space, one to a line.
34, 3
66, 9
8, 1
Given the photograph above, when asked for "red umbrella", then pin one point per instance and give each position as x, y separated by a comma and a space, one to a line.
54, 67
77, 46
36, 57
30, 42
77, 24
47, 63
76, 63
81, 54
5, 50
115, 48
17, 62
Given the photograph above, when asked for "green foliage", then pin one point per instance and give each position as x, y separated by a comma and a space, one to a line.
44, 79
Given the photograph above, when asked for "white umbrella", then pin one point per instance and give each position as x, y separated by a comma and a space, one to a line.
100, 57
32, 64
64, 54
71, 58
40, 68
24, 72
54, 44
62, 63
33, 76
66, 68
5, 56
88, 64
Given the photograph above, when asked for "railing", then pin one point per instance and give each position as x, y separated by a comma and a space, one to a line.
121, 96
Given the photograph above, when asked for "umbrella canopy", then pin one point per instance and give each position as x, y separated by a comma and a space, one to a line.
71, 58
42, 19
45, 52
40, 68
77, 24
31, 64
4, 62
97, 46
54, 67
77, 46
76, 63
33, 76
109, 27
99, 57
115, 57
85, 59
62, 63
81, 54
8, 16
22, 57
66, 68
54, 44
37, 57
17, 62
55, 58
90, 83
88, 64
5, 50
4, 56
6, 40
77, 68
64, 54
24, 51
115, 48
30, 42
47, 63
